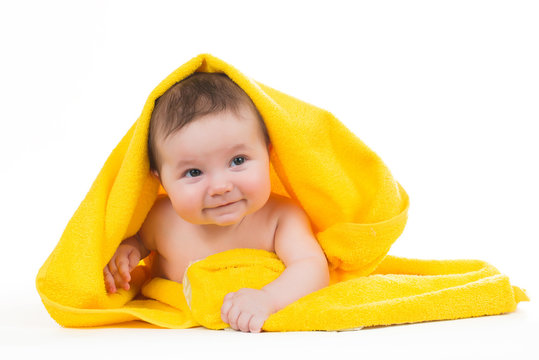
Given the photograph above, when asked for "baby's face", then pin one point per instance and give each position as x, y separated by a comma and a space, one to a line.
216, 169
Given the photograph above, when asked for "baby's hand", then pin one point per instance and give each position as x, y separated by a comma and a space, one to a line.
247, 309
117, 272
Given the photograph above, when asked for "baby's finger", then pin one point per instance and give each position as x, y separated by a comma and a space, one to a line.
255, 324
109, 280
227, 304
233, 316
133, 260
114, 271
112, 266
243, 321
123, 267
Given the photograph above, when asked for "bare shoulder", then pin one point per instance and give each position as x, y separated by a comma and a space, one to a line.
284, 207
288, 215
160, 214
294, 239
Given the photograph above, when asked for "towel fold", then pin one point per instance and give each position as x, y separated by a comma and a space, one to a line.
399, 291
356, 207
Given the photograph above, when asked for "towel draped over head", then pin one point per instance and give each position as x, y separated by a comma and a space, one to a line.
356, 207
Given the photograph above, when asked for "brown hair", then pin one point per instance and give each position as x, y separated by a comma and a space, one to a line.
195, 96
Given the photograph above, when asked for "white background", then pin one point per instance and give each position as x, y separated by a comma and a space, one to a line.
445, 92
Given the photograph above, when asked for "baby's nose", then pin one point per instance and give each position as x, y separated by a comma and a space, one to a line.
219, 188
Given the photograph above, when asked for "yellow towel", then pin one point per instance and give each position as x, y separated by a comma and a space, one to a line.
357, 211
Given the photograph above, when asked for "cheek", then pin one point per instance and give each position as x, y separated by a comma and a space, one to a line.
185, 201
257, 184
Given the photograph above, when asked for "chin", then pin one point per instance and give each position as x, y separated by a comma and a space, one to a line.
228, 223
229, 220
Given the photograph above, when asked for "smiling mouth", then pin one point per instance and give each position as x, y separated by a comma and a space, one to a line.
223, 205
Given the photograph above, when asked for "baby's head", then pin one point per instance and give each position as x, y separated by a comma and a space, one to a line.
209, 148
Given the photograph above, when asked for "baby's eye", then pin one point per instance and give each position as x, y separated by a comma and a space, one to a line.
193, 173
238, 160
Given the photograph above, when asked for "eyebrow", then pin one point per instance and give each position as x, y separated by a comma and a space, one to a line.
185, 162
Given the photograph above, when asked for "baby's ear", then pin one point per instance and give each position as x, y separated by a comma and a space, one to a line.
155, 174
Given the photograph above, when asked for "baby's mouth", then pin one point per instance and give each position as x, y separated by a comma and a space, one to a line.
223, 205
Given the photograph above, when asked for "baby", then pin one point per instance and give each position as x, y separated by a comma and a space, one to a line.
209, 148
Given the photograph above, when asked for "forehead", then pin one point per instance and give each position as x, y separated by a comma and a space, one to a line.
213, 134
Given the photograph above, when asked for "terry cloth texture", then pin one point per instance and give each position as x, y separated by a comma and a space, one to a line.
356, 207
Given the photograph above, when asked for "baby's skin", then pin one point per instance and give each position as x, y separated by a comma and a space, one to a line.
215, 171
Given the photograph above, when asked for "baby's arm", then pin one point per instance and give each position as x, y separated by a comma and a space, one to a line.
117, 273
306, 264
306, 271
